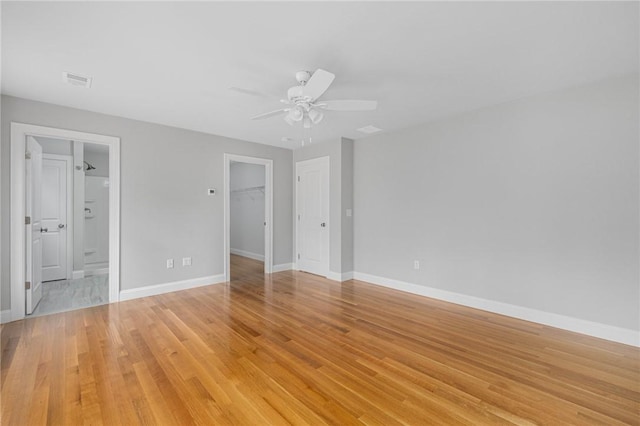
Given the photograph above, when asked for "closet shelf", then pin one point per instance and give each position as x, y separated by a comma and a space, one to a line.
247, 190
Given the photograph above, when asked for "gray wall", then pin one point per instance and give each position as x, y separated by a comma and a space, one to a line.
165, 173
247, 208
532, 203
99, 160
340, 153
346, 195
55, 146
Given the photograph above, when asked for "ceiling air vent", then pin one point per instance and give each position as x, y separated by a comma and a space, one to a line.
76, 80
369, 129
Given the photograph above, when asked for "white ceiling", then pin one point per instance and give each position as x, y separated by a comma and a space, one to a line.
173, 63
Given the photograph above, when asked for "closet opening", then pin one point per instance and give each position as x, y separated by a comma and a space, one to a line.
248, 226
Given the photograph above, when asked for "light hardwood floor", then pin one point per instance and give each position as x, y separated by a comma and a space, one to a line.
296, 348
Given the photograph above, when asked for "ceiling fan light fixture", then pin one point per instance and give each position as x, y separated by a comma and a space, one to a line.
288, 120
316, 116
307, 123
295, 114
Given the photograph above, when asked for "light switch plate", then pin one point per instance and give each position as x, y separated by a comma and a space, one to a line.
169, 263
186, 261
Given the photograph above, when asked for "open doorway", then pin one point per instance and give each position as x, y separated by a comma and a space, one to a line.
248, 225
73, 226
64, 220
247, 219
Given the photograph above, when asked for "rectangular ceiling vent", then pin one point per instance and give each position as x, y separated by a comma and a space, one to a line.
369, 129
76, 80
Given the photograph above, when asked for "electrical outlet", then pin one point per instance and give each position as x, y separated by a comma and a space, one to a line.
169, 263
416, 264
186, 261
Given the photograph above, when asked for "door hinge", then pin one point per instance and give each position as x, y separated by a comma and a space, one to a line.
27, 220
298, 178
27, 155
27, 285
298, 256
298, 217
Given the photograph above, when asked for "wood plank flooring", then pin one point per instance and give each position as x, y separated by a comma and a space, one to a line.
293, 348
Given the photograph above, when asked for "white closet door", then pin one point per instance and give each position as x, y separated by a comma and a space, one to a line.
312, 194
54, 218
33, 229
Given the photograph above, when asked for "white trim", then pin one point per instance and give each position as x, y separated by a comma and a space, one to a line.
77, 275
340, 277
334, 276
96, 271
590, 328
283, 267
268, 207
155, 289
68, 159
5, 316
19, 132
244, 253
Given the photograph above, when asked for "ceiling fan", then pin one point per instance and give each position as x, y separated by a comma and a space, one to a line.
303, 104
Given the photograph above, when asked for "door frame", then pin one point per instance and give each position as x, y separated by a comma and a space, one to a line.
19, 133
68, 159
326, 162
268, 208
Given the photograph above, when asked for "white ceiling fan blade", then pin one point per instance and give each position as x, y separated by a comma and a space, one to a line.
270, 114
348, 105
251, 92
318, 84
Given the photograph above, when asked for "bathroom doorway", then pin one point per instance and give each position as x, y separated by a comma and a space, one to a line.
70, 204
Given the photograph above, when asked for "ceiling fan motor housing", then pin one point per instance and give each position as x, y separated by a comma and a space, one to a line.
303, 77
295, 93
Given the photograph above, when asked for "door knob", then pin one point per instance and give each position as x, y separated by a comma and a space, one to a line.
323, 224
61, 225
44, 230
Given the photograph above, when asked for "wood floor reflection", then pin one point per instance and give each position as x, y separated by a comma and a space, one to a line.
296, 348
245, 268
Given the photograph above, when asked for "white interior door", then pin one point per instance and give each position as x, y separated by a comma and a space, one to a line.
312, 195
33, 206
54, 217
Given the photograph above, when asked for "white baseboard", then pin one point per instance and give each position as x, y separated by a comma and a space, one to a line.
5, 316
244, 253
590, 328
77, 275
153, 290
340, 277
99, 271
282, 267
